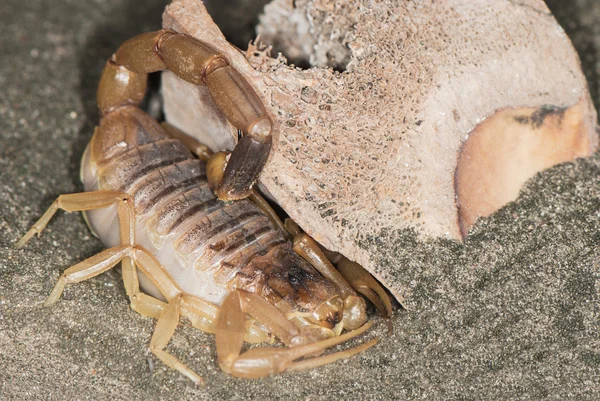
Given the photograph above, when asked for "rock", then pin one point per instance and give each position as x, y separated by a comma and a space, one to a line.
443, 111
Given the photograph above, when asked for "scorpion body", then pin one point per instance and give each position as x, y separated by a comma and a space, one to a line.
204, 242
189, 251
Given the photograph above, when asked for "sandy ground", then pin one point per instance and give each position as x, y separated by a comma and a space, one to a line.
513, 313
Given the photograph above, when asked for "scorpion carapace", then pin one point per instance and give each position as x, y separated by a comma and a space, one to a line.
214, 262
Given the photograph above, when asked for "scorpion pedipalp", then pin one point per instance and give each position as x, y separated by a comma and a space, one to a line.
259, 362
348, 277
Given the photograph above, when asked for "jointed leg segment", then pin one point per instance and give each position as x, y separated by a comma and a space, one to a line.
148, 265
168, 316
259, 362
88, 201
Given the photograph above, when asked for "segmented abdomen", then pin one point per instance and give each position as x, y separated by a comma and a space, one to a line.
179, 218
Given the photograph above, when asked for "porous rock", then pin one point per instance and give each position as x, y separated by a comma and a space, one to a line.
378, 147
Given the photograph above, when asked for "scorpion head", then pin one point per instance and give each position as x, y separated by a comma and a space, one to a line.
302, 294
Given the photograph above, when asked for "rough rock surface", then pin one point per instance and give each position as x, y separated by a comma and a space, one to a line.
376, 149
511, 314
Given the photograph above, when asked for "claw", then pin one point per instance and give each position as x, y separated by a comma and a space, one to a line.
260, 362
352, 274
364, 283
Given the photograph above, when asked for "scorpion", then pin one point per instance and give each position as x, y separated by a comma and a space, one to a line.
194, 238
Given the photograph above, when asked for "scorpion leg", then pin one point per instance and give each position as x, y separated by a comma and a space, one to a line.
95, 200
89, 268
260, 362
109, 258
87, 201
165, 328
200, 64
201, 313
149, 266
363, 282
261, 202
190, 307
354, 274
354, 306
